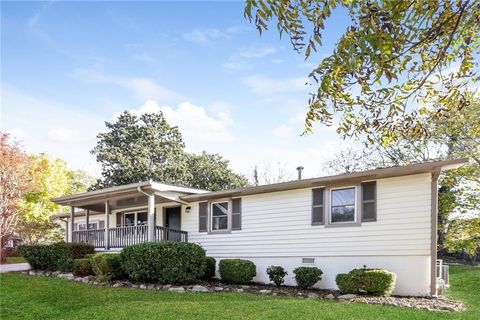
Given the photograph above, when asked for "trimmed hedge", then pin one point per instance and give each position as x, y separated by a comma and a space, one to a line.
306, 277
210, 267
107, 266
378, 282
82, 267
276, 275
237, 271
57, 256
164, 262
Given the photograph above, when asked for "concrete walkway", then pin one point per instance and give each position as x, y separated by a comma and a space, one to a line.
12, 267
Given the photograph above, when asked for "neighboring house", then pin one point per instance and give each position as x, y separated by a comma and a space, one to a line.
383, 218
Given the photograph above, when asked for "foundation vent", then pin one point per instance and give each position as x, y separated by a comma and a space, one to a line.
308, 260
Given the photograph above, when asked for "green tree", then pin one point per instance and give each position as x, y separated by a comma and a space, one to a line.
14, 181
147, 148
50, 178
140, 148
464, 236
395, 61
211, 172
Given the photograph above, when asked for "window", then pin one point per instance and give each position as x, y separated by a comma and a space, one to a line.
369, 205
132, 219
129, 220
142, 219
219, 216
342, 207
318, 206
91, 225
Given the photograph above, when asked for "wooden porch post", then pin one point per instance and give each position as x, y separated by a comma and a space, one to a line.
87, 219
151, 218
107, 216
72, 222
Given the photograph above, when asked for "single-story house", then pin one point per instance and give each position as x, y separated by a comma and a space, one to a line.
382, 218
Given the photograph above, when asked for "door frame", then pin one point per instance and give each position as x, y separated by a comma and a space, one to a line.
164, 214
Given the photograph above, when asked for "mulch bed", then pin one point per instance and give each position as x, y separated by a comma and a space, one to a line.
428, 303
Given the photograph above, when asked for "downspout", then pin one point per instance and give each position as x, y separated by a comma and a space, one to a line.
434, 222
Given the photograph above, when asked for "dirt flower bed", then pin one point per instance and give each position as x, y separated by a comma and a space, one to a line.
429, 303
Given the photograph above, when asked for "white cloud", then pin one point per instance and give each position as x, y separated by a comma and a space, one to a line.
142, 88
282, 131
64, 135
208, 36
195, 124
46, 126
265, 86
241, 59
205, 37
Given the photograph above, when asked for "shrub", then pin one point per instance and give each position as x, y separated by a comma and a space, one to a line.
164, 262
107, 266
306, 277
58, 256
82, 267
237, 271
276, 275
40, 257
378, 282
210, 267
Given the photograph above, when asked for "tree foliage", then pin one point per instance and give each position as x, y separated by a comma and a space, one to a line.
50, 178
14, 181
396, 60
137, 149
464, 235
146, 147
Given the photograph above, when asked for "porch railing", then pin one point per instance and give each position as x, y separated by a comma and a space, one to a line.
95, 237
163, 233
125, 236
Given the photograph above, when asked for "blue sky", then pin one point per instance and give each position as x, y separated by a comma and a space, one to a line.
68, 67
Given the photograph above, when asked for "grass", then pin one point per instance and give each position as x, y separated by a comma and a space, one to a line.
16, 260
26, 297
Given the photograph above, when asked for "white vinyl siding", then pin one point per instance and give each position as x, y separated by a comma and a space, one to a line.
279, 224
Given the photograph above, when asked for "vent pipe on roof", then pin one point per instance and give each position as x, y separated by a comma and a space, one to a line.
299, 169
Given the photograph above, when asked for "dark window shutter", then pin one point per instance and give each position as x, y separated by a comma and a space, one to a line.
318, 206
202, 216
101, 224
237, 214
119, 219
75, 226
369, 201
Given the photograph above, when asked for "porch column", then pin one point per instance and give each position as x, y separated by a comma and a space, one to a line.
107, 218
87, 219
72, 222
151, 218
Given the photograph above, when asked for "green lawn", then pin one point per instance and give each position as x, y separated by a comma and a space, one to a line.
26, 297
16, 260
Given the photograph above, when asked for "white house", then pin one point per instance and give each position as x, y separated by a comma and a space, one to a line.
383, 218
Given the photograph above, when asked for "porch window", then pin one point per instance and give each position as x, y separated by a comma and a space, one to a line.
219, 216
132, 219
91, 225
342, 205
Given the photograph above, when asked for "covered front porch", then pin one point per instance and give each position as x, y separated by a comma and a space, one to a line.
117, 217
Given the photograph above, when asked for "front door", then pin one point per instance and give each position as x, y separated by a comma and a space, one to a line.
172, 218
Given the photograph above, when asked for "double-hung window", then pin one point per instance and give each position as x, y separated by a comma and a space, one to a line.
219, 217
342, 205
131, 219
91, 225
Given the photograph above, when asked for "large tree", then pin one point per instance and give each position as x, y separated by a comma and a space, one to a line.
135, 149
147, 148
49, 178
396, 60
14, 181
